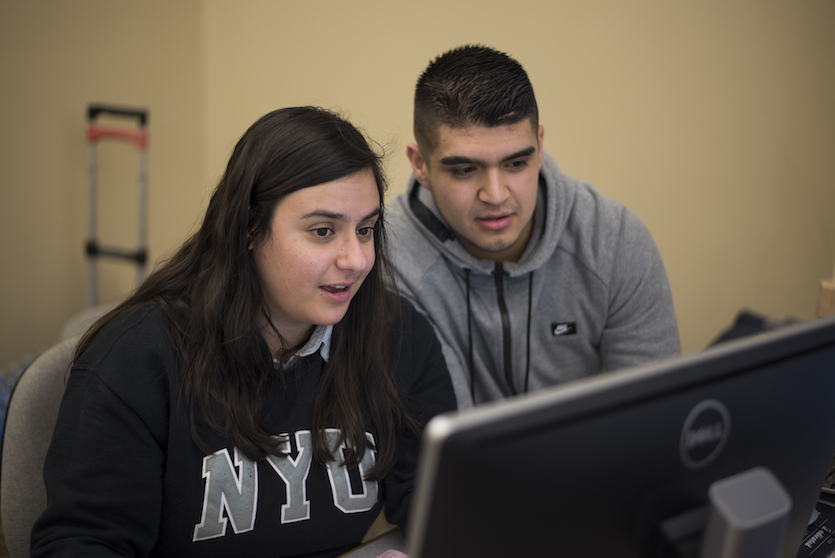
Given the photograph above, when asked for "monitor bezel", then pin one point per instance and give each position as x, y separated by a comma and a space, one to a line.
604, 392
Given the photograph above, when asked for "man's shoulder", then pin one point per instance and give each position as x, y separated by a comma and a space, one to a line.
593, 210
396, 210
577, 211
598, 229
606, 217
412, 252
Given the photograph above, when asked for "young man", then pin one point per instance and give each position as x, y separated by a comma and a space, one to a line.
531, 278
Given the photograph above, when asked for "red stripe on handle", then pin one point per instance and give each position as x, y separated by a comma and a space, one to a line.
137, 137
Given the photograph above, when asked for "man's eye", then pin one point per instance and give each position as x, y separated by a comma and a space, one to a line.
517, 165
463, 171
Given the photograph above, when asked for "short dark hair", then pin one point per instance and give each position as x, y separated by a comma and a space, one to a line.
471, 85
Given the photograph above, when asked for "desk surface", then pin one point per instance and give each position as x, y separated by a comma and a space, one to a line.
372, 549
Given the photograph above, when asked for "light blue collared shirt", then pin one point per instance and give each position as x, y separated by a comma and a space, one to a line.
320, 341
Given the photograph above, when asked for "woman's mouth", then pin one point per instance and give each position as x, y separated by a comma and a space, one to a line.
335, 288
337, 293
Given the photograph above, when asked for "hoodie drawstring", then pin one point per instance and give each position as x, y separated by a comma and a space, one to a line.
528, 344
470, 337
470, 358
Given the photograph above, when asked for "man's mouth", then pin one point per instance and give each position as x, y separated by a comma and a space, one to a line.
495, 221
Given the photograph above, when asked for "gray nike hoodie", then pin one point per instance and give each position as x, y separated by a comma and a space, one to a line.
589, 293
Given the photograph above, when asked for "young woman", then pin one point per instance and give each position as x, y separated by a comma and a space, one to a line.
262, 393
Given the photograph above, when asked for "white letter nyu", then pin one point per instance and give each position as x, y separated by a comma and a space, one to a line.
344, 498
236, 494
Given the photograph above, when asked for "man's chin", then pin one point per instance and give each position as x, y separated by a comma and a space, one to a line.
495, 249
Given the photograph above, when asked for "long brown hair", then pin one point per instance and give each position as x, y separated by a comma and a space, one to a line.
211, 293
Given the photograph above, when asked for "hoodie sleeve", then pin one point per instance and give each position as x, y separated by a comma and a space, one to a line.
641, 325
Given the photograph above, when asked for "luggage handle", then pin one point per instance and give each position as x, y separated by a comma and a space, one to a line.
93, 250
94, 110
138, 136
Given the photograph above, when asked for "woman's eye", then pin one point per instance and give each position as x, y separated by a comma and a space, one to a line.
322, 232
365, 231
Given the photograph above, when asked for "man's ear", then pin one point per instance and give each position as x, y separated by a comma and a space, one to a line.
419, 166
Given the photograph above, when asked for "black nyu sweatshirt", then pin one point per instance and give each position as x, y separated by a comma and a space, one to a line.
124, 477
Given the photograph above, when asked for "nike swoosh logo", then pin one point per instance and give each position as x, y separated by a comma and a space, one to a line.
558, 330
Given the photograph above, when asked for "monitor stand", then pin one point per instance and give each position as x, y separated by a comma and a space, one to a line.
746, 518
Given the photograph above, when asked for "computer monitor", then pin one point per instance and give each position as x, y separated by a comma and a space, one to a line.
621, 464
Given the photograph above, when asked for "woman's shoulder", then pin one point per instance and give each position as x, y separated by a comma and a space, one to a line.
421, 368
414, 334
128, 369
413, 322
131, 338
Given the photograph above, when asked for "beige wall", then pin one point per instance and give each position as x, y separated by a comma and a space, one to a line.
56, 57
715, 124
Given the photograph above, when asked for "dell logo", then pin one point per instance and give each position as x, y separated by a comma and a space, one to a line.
705, 433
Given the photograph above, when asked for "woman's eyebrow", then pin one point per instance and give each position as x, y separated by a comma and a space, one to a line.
323, 213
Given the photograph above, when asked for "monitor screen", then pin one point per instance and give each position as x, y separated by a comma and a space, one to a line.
597, 467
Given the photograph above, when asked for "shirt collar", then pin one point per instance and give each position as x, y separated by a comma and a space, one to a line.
320, 341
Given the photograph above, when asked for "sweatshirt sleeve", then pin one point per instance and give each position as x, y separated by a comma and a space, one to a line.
104, 468
641, 325
429, 391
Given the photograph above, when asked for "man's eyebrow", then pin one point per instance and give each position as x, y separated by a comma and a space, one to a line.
324, 213
453, 160
458, 160
527, 152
